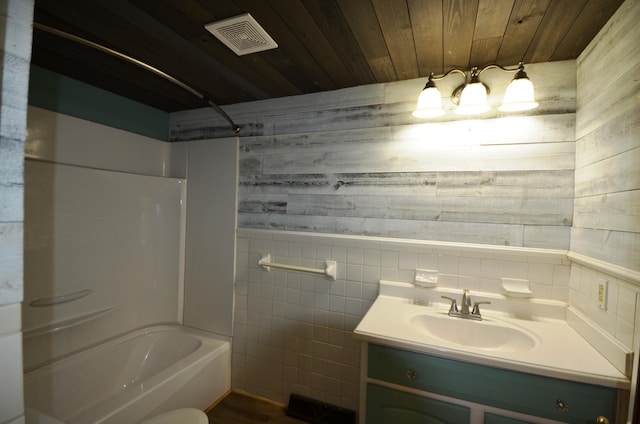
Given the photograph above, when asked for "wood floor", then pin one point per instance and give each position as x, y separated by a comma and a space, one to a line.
239, 408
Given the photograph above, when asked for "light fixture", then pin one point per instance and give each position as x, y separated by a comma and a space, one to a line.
471, 97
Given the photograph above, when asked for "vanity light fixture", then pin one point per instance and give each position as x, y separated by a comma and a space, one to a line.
471, 97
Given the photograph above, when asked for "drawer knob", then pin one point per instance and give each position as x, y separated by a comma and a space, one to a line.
562, 406
411, 374
602, 420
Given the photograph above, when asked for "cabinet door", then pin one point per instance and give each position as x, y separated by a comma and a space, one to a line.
499, 419
528, 394
388, 406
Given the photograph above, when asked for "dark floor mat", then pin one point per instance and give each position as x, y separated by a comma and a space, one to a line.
238, 408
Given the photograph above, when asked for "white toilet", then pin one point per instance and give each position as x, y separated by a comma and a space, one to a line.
180, 416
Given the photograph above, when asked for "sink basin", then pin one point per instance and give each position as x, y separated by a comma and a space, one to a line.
485, 335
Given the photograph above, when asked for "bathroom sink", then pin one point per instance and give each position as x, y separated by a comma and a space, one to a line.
486, 335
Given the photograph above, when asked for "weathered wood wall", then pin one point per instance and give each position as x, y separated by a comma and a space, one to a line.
355, 161
607, 190
16, 17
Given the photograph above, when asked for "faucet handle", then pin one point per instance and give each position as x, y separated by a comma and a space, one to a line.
454, 303
476, 307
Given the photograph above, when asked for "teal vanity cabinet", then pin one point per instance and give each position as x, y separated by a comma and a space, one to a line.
403, 386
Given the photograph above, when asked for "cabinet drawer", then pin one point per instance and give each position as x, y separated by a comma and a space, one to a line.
511, 390
388, 406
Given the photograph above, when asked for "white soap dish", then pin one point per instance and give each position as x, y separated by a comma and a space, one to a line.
516, 287
426, 278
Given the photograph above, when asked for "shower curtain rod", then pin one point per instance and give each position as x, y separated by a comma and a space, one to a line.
54, 31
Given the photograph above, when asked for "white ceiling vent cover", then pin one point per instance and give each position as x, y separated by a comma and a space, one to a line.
242, 34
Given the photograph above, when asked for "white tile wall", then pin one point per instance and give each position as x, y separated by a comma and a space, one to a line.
619, 317
293, 331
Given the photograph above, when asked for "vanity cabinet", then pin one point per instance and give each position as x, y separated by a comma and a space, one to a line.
403, 386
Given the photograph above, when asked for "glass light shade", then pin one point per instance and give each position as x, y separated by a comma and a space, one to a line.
473, 100
519, 96
429, 104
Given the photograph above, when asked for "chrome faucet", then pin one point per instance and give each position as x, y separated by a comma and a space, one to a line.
466, 303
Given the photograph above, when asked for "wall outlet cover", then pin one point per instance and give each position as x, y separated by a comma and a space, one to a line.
603, 288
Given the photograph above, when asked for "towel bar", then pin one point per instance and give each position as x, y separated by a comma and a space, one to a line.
330, 269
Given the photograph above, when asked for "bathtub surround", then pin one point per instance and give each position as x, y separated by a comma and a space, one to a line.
210, 237
60, 138
15, 53
113, 239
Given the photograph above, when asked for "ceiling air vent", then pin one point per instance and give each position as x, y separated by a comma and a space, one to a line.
242, 34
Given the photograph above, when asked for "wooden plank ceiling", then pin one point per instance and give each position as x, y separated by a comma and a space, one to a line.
323, 44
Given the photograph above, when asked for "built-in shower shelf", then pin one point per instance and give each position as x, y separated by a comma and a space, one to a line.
55, 300
67, 323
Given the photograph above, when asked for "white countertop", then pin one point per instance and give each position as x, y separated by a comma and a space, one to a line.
559, 351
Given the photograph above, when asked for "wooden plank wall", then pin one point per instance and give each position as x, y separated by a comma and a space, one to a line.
607, 204
355, 161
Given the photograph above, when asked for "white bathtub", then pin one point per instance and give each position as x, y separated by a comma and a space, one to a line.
132, 377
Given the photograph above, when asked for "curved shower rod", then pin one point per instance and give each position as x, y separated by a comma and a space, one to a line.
54, 31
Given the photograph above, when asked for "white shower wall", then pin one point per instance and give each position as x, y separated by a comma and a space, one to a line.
118, 236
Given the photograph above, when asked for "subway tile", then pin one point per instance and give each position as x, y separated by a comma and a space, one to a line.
337, 303
612, 298
389, 259
337, 337
294, 250
371, 257
323, 252
309, 251
337, 288
321, 333
389, 274
624, 332
408, 260
322, 301
371, 274
469, 266
354, 272
353, 289
334, 370
339, 254
427, 261
266, 292
307, 299
491, 285
448, 264
319, 366
370, 291
492, 268
515, 269
406, 276
321, 317
627, 304
355, 256
279, 294
353, 306
540, 273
